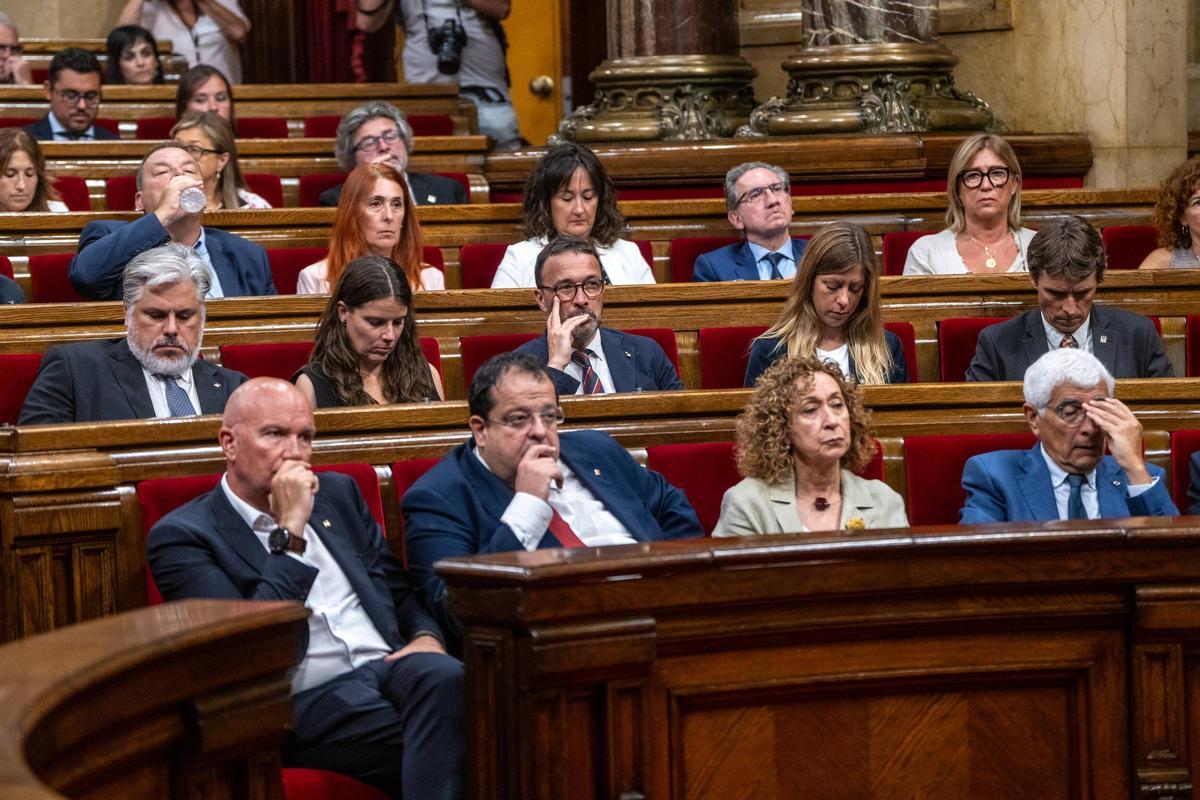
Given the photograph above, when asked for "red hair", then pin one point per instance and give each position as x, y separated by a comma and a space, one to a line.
347, 242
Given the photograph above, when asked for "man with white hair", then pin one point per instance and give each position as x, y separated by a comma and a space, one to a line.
153, 371
1070, 408
13, 68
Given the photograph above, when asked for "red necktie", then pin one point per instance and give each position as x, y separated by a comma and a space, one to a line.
562, 531
591, 381
1069, 341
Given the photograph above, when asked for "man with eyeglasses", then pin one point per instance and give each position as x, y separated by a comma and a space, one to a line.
378, 132
519, 484
13, 68
758, 203
1066, 265
73, 89
1070, 408
581, 356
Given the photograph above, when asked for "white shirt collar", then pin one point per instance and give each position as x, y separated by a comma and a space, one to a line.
1082, 334
57, 127
1058, 475
255, 520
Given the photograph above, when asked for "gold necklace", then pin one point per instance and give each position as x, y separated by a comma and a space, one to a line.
989, 260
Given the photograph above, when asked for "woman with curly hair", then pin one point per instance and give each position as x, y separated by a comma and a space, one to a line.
833, 312
799, 443
1177, 217
366, 348
570, 193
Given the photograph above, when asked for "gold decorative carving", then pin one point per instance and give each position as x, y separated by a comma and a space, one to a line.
655, 98
871, 88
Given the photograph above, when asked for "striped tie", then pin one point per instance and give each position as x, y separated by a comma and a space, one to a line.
591, 381
1068, 341
773, 259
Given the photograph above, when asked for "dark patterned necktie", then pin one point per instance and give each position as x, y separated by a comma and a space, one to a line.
178, 402
773, 259
591, 381
1068, 341
1075, 508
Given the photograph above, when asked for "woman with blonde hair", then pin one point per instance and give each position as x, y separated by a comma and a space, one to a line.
833, 312
799, 442
983, 219
1177, 218
209, 139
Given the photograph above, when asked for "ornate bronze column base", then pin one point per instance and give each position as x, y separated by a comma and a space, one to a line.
653, 98
871, 88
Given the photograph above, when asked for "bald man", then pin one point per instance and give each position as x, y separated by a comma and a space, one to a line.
374, 696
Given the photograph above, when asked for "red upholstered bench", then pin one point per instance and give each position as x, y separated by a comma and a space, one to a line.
155, 128
1192, 344
268, 187
724, 353
262, 128
119, 192
74, 192
478, 263
683, 252
311, 187
475, 350
957, 339
895, 249
20, 371
1183, 444
404, 475
287, 262
49, 280
1128, 245
934, 465
283, 359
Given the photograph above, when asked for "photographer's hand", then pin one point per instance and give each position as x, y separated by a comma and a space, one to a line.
499, 9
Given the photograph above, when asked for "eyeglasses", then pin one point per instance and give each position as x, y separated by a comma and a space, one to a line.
1071, 412
759, 194
73, 97
997, 177
592, 287
519, 421
196, 151
14, 49
375, 143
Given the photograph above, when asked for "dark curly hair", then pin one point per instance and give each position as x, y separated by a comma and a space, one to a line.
764, 449
1172, 201
552, 175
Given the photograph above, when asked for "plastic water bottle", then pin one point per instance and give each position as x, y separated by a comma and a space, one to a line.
192, 199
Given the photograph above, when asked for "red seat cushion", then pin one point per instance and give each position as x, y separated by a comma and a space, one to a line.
895, 249
74, 192
1128, 245
724, 353
934, 465
1192, 344
111, 125
6, 267
321, 126
1183, 444
20, 371
682, 253
432, 255
287, 262
703, 471
647, 250
433, 352
268, 187
119, 192
311, 187
156, 129
478, 263
431, 124
266, 359
48, 277
957, 338
666, 340
319, 784
262, 128
16, 122
627, 194
474, 350
404, 475
908, 341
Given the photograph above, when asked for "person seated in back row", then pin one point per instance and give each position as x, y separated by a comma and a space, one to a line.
73, 89
581, 356
1066, 265
758, 203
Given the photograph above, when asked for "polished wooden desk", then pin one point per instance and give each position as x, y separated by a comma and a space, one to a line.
992, 663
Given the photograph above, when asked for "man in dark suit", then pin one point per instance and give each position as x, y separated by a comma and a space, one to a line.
1066, 264
1070, 407
520, 485
374, 696
582, 357
378, 132
759, 204
73, 89
154, 370
236, 267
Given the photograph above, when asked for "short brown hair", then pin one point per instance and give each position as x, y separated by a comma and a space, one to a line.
1068, 248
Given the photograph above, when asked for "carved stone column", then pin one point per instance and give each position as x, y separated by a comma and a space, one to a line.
672, 73
871, 66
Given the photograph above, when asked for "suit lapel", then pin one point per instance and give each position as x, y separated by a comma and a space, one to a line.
619, 355
210, 388
783, 506
747, 265
856, 501
597, 482
1034, 344
1111, 490
222, 264
1104, 340
1036, 488
232, 528
127, 372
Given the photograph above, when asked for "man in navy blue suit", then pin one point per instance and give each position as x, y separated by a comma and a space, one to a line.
1070, 407
374, 696
237, 267
73, 89
521, 485
758, 203
582, 357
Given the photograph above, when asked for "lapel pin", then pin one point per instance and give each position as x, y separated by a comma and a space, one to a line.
596, 472
1103, 339
1116, 483
430, 199
327, 523
628, 354
218, 386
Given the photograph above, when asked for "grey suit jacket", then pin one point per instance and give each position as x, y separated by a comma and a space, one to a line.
1126, 343
101, 380
753, 507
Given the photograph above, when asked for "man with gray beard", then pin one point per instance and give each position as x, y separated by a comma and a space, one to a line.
153, 371
581, 356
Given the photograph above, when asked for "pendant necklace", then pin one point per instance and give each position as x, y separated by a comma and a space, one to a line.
990, 260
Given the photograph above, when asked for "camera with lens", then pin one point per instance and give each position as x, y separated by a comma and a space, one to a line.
448, 42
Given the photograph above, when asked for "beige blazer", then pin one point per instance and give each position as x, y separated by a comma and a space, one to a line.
752, 507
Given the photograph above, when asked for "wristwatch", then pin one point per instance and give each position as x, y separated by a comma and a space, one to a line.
281, 541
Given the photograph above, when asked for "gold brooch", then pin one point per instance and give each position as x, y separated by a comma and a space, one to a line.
856, 524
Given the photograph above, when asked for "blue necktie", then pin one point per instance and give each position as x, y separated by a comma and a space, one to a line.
178, 402
591, 381
773, 259
1075, 508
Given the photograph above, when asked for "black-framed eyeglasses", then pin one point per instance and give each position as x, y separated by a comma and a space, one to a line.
973, 178
758, 194
13, 49
196, 151
372, 144
1071, 412
592, 287
520, 421
73, 97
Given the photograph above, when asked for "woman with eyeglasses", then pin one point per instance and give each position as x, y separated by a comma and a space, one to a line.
209, 139
833, 312
132, 57
569, 192
372, 219
983, 221
366, 350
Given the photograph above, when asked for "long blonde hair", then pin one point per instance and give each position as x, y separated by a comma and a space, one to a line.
835, 249
956, 210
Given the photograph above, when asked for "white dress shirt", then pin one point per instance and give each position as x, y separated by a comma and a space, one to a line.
158, 391
201, 251
595, 351
528, 516
59, 131
787, 266
1087, 490
622, 262
341, 636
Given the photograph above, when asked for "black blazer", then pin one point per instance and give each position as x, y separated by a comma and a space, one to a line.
101, 380
428, 190
1126, 343
42, 131
765, 352
636, 363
